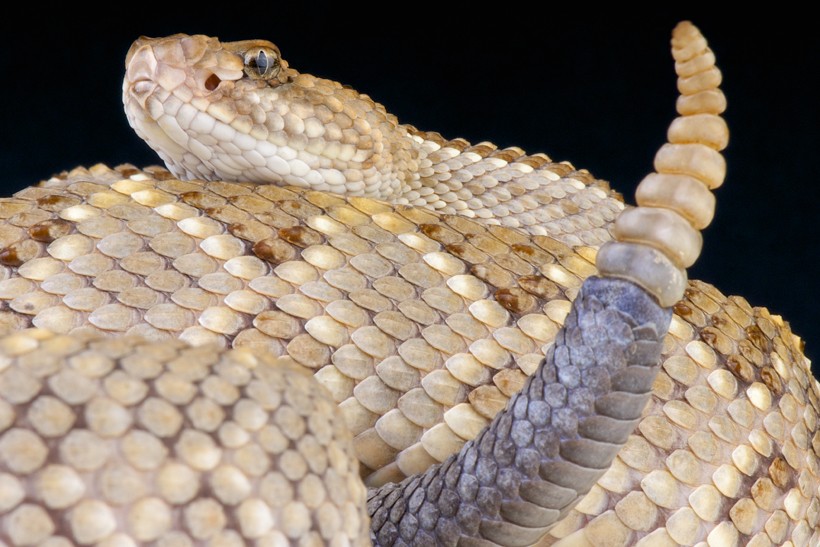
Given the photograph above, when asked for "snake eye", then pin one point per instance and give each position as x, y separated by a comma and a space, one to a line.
262, 63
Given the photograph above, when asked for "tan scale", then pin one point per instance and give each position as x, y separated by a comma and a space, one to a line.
144, 483
390, 307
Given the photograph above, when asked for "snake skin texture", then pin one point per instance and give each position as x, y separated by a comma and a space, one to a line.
159, 336
536, 460
297, 129
94, 440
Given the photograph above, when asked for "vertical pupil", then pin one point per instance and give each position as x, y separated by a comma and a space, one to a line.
262, 62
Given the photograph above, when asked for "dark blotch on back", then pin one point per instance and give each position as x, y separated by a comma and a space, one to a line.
49, 230
56, 202
301, 236
516, 300
274, 250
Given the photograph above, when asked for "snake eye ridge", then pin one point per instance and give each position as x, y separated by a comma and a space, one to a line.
262, 63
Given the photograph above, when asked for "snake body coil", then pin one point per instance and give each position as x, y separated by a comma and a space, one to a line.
335, 334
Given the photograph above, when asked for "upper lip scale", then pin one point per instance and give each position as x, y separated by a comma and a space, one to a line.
141, 88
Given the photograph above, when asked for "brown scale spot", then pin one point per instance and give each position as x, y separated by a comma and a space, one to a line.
55, 202
487, 400
508, 154
717, 340
365, 143
584, 176
516, 300
301, 236
483, 149
708, 337
466, 252
781, 348
612, 193
750, 352
569, 208
298, 209
440, 233
227, 215
28, 218
757, 337
553, 247
772, 380
159, 173
540, 286
719, 320
604, 185
740, 367
682, 309
434, 136
493, 275
459, 144
21, 252
237, 229
509, 381
274, 250
49, 230
562, 169
542, 197
517, 190
213, 212
533, 255
536, 161
9, 257
202, 200
781, 473
487, 244
127, 171
249, 203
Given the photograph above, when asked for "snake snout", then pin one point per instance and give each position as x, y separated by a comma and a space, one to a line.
141, 66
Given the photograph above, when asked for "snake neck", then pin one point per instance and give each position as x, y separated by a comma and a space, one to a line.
189, 99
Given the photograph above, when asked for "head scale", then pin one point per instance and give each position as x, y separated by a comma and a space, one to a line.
237, 111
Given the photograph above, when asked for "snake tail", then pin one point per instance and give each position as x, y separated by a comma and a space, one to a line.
557, 437
554, 440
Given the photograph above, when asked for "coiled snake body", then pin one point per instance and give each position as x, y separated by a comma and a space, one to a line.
160, 335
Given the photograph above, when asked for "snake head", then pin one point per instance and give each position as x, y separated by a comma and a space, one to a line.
199, 66
236, 111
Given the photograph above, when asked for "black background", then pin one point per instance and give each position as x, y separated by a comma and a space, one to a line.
597, 89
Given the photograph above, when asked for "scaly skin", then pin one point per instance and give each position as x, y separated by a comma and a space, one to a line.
305, 131
421, 326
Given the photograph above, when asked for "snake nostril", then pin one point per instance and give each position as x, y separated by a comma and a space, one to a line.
211, 82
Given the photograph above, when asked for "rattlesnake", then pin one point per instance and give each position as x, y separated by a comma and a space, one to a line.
420, 316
